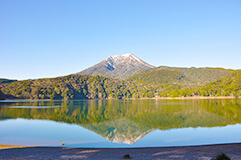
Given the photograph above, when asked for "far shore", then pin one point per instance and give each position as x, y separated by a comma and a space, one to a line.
195, 97
205, 152
181, 98
5, 146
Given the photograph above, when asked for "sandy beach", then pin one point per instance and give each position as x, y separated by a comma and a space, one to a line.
205, 152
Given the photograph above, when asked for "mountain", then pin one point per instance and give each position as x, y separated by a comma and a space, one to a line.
156, 83
120, 130
145, 81
119, 66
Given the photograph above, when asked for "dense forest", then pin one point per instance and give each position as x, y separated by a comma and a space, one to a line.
74, 87
158, 82
183, 76
2, 81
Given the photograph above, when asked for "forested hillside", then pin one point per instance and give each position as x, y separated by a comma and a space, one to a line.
158, 77
2, 96
183, 76
2, 81
74, 87
161, 82
229, 85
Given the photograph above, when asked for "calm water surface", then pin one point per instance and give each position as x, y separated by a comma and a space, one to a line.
120, 123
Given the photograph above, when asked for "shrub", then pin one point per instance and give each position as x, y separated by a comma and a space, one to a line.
222, 156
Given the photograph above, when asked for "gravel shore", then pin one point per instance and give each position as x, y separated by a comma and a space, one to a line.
205, 152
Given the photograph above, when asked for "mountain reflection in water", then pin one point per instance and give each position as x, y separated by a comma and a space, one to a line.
127, 121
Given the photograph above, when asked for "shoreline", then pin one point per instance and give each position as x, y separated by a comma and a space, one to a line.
180, 152
157, 98
197, 97
6, 146
9, 146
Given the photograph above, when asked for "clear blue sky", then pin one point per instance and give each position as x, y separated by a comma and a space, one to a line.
49, 38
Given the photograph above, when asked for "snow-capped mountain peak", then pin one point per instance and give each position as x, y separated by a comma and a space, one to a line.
118, 66
126, 58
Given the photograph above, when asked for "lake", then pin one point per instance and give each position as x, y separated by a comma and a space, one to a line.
120, 123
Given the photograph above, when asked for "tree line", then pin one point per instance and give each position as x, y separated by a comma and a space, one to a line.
165, 84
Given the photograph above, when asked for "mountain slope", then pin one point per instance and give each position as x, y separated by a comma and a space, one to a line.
229, 85
2, 96
170, 84
119, 66
3, 80
182, 76
73, 87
